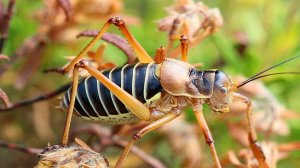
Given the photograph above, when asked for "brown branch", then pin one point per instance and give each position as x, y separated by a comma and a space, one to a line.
46, 96
115, 40
4, 22
107, 139
20, 148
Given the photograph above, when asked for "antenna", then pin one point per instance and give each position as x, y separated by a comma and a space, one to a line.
259, 74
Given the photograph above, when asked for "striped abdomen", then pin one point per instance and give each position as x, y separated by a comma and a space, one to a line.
94, 101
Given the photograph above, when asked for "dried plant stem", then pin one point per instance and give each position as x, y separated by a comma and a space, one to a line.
107, 139
20, 148
46, 96
5, 20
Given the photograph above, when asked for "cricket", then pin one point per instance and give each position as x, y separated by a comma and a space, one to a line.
154, 91
129, 84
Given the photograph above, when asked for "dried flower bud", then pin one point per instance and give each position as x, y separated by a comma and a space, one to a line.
214, 20
188, 18
74, 156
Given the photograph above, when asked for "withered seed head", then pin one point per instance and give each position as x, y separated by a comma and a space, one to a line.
73, 156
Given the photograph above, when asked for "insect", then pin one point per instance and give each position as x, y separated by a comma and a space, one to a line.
156, 91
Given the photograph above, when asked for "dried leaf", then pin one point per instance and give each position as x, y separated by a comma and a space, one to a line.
193, 19
233, 159
66, 6
238, 133
3, 57
4, 98
274, 152
34, 59
188, 17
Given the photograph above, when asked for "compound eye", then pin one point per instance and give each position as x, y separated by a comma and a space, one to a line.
224, 90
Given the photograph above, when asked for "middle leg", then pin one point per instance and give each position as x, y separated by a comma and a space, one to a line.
152, 126
254, 145
208, 136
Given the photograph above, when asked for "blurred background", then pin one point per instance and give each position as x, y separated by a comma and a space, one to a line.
254, 35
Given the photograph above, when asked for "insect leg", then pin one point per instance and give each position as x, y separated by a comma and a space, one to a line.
254, 145
71, 106
134, 105
142, 55
160, 55
207, 135
152, 126
184, 48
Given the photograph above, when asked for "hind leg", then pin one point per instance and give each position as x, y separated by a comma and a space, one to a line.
140, 52
152, 126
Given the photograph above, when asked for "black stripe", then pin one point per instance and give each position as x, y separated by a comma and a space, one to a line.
106, 98
153, 85
140, 81
128, 73
116, 78
94, 96
78, 107
81, 94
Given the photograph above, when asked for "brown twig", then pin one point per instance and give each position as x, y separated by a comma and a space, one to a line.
36, 99
115, 40
20, 148
5, 17
107, 139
